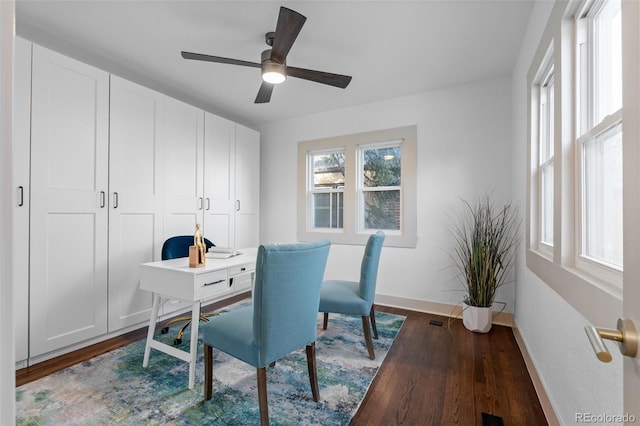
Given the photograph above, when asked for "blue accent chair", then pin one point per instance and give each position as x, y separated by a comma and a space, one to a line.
356, 297
173, 248
283, 317
178, 246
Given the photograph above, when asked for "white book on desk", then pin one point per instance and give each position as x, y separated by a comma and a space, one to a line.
221, 252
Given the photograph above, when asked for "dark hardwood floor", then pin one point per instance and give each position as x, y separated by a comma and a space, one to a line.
447, 375
432, 375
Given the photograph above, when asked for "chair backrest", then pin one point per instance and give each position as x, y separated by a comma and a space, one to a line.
286, 296
369, 267
179, 246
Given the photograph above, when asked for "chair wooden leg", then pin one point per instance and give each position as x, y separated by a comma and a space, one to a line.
367, 336
372, 316
325, 321
313, 373
208, 372
262, 396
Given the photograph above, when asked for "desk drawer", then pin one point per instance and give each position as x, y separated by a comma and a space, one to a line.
212, 283
241, 269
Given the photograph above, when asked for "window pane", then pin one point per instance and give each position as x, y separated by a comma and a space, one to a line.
328, 170
546, 204
382, 167
602, 197
546, 160
608, 73
328, 210
382, 210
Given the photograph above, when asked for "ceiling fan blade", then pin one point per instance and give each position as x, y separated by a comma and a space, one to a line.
264, 94
289, 25
219, 59
336, 80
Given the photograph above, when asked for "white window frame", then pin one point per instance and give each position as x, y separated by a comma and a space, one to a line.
543, 102
312, 190
587, 293
353, 231
587, 130
362, 189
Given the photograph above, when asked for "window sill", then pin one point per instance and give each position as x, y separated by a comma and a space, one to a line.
590, 296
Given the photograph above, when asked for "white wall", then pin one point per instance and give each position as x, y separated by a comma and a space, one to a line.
464, 151
7, 362
553, 331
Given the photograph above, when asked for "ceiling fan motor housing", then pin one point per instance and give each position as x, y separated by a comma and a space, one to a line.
268, 38
271, 66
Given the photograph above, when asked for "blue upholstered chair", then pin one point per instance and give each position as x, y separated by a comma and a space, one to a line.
356, 297
283, 317
173, 248
178, 246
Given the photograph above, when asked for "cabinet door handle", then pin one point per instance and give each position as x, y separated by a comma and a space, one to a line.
208, 203
115, 200
102, 199
21, 196
237, 205
215, 282
199, 203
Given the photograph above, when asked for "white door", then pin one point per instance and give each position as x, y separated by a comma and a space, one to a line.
68, 240
631, 153
219, 181
247, 216
183, 139
135, 201
20, 203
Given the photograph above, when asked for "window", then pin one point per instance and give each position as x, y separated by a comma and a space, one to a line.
546, 147
351, 186
379, 169
599, 140
327, 188
575, 96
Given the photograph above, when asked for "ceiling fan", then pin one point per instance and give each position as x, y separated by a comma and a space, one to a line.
273, 62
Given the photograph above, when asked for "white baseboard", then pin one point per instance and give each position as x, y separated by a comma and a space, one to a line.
444, 309
545, 402
503, 318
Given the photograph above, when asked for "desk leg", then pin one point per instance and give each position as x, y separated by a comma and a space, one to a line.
152, 328
195, 325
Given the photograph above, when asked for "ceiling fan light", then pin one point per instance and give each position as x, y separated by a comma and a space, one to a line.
273, 73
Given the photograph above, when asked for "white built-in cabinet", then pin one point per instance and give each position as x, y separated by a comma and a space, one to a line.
135, 197
183, 138
231, 183
247, 188
20, 202
69, 212
105, 170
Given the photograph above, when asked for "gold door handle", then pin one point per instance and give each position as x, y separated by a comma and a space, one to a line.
626, 334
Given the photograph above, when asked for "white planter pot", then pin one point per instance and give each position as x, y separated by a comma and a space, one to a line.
477, 319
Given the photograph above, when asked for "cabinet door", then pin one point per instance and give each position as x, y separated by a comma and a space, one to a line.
219, 180
135, 202
68, 240
20, 203
183, 139
247, 160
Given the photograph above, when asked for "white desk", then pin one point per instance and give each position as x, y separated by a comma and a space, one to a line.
173, 279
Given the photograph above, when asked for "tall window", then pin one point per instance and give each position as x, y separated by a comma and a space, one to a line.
380, 185
599, 141
546, 160
327, 188
351, 186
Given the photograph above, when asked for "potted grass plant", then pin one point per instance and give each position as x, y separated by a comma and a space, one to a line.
486, 238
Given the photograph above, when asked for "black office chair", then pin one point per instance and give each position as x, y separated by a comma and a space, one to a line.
173, 248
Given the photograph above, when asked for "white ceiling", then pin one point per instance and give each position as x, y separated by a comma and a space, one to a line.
391, 48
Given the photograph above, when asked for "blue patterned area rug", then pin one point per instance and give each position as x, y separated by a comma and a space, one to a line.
114, 388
